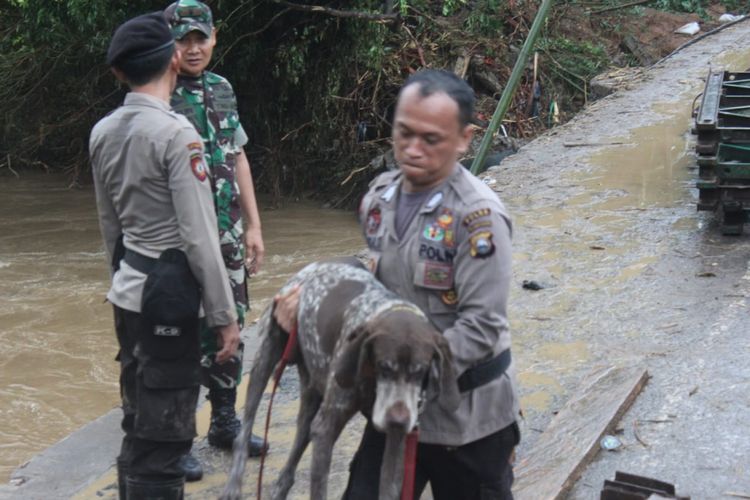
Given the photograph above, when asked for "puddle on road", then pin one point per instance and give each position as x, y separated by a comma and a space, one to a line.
587, 245
734, 61
649, 170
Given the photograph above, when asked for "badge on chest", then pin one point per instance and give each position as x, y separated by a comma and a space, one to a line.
436, 250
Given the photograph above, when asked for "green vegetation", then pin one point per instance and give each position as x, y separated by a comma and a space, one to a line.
307, 82
573, 62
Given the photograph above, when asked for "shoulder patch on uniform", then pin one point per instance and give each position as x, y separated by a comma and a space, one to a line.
476, 214
474, 226
481, 245
374, 218
197, 164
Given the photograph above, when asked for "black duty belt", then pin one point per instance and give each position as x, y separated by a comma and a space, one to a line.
485, 372
139, 262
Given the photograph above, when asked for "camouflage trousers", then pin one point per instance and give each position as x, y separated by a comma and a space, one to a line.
228, 374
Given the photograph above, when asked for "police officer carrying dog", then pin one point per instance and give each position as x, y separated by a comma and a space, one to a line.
157, 218
440, 238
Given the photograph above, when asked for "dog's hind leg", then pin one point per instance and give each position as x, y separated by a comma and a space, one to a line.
309, 403
268, 354
326, 428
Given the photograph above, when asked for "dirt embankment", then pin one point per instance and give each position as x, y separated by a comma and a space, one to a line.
615, 42
582, 54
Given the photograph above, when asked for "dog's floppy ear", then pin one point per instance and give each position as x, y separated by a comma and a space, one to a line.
443, 377
353, 358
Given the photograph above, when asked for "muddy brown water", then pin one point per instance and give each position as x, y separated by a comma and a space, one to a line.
57, 368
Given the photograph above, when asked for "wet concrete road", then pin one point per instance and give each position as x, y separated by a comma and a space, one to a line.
638, 277
635, 275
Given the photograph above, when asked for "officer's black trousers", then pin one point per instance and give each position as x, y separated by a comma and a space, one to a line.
158, 409
479, 470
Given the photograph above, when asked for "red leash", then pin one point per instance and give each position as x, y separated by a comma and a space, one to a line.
286, 357
410, 464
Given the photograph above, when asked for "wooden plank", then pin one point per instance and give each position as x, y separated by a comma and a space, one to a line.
571, 441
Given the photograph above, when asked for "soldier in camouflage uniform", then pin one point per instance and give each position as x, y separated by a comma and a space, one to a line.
209, 102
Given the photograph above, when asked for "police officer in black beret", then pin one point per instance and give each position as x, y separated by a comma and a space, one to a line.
157, 219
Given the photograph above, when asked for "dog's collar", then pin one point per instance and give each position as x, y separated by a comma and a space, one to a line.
398, 306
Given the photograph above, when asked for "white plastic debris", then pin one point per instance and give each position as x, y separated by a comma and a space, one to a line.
728, 18
688, 29
610, 443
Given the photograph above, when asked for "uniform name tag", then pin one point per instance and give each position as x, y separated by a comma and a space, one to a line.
167, 331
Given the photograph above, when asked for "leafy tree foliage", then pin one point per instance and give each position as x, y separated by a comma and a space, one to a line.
294, 72
315, 89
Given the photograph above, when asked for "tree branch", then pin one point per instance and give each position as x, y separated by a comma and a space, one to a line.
621, 6
219, 60
340, 13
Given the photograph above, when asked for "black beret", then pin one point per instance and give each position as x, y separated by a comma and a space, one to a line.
138, 37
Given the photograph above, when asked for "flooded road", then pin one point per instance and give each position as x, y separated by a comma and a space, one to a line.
605, 217
57, 368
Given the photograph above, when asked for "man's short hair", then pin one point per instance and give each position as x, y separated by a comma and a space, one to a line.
147, 68
432, 81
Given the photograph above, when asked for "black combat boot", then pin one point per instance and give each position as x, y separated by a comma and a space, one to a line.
191, 467
225, 426
122, 474
141, 488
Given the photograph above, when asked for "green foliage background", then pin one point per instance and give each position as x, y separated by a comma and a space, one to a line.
305, 80
291, 70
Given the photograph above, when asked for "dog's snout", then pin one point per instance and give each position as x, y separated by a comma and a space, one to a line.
398, 415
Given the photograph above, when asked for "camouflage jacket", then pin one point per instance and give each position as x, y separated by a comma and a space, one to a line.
209, 103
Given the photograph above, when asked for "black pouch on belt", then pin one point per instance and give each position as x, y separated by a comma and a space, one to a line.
171, 304
171, 294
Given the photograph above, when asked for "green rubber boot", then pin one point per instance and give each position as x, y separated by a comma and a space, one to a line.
225, 426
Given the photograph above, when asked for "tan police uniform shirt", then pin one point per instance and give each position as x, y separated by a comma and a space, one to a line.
454, 262
152, 186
